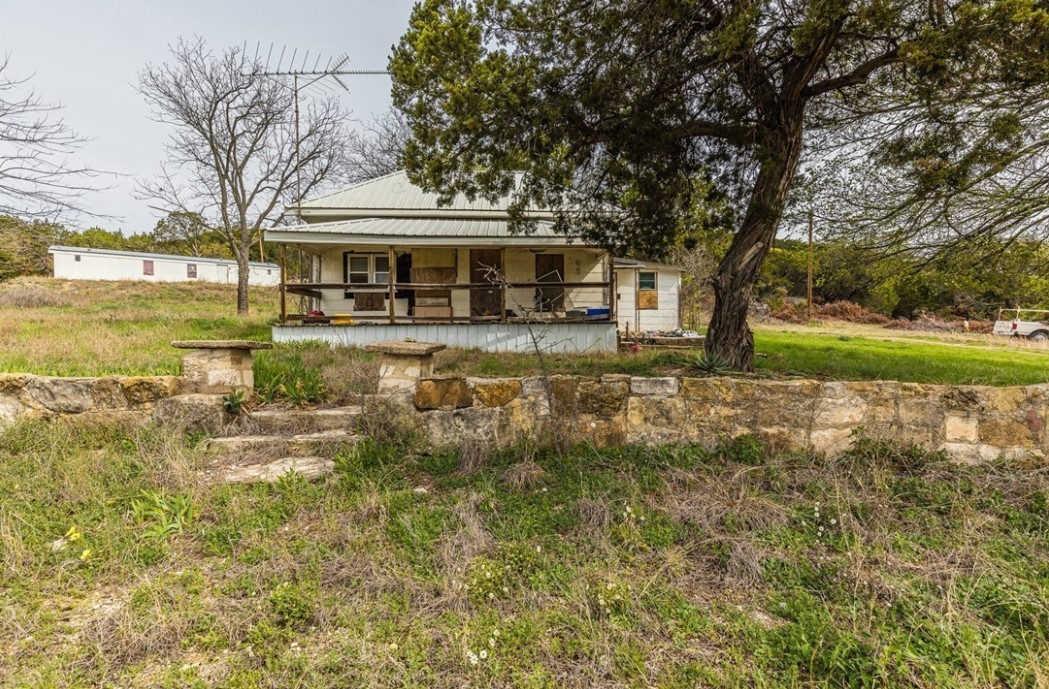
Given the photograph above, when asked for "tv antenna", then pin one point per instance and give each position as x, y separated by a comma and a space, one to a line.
317, 76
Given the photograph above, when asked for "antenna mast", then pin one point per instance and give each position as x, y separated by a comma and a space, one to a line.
303, 76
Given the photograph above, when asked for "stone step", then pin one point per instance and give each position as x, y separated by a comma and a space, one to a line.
275, 421
241, 449
311, 467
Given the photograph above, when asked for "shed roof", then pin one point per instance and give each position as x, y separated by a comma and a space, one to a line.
158, 257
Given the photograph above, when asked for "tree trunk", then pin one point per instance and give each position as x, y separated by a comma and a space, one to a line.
243, 269
729, 337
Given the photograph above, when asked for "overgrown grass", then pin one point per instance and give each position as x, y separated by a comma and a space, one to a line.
84, 328
78, 328
661, 567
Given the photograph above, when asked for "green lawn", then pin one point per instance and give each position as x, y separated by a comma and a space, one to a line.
915, 360
644, 567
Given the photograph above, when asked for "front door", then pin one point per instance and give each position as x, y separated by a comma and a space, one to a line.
486, 266
550, 268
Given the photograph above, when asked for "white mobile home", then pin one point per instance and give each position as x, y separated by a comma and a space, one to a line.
75, 263
387, 262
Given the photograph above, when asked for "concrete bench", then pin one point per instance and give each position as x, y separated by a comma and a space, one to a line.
403, 363
219, 366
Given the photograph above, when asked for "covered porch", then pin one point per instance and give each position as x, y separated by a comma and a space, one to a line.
462, 281
352, 284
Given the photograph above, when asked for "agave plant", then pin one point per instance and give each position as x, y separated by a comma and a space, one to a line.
710, 365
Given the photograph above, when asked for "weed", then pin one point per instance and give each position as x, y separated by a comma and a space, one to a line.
234, 403
161, 515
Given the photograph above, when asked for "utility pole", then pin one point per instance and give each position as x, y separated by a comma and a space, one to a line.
808, 309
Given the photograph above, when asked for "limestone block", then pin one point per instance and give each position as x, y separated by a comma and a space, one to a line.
195, 411
401, 374
218, 371
495, 392
10, 409
488, 425
831, 441
61, 395
13, 383
707, 390
781, 403
144, 391
534, 394
107, 394
960, 429
964, 398
603, 398
839, 408
1006, 433
443, 393
1003, 400
656, 419
978, 453
600, 431
654, 387
564, 394
880, 397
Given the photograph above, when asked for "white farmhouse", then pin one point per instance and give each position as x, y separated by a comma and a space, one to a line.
385, 261
75, 263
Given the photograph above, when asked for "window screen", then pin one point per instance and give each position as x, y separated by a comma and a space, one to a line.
382, 270
646, 281
76, 258
147, 267
191, 270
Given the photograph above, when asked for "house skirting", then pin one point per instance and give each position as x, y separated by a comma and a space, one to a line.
559, 338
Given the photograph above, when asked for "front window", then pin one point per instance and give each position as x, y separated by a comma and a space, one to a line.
382, 270
147, 267
358, 270
367, 269
646, 281
191, 270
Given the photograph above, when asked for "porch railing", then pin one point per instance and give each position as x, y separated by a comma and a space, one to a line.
391, 291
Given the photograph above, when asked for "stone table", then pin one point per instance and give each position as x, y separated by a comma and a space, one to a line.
403, 363
219, 366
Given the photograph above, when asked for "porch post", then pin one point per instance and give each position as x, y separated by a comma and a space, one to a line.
612, 287
392, 266
283, 280
502, 286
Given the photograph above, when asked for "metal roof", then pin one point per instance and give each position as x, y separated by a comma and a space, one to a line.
641, 264
165, 257
394, 195
421, 231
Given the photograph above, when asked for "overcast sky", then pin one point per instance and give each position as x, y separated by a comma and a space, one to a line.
86, 55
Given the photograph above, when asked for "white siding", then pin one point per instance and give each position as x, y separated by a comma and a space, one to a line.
668, 288
87, 265
555, 338
581, 265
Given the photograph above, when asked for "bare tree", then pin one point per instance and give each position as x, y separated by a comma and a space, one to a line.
377, 150
232, 155
36, 178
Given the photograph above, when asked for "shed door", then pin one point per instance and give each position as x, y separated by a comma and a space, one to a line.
550, 268
486, 302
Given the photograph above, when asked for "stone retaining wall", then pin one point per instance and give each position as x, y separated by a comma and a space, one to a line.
971, 423
112, 398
